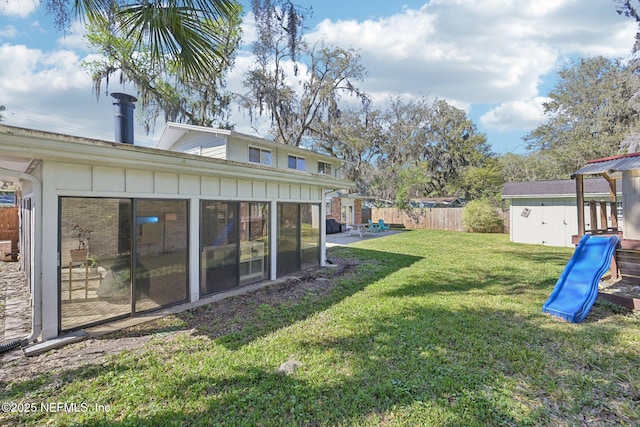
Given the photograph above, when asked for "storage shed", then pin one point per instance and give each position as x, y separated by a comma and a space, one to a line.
545, 212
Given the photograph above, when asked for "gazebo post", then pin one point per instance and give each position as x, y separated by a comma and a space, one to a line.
580, 204
614, 201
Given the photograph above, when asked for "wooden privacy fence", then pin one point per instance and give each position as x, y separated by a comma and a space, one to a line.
421, 218
427, 218
9, 226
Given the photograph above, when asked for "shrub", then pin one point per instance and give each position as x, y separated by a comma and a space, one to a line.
479, 216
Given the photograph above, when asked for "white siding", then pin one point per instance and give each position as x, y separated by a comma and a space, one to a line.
219, 152
205, 142
631, 204
551, 221
239, 151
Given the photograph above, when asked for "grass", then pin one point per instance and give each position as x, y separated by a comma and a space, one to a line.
436, 328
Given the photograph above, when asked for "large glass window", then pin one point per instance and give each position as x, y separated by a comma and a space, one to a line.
309, 235
254, 242
298, 237
105, 242
288, 238
161, 242
95, 260
218, 246
234, 243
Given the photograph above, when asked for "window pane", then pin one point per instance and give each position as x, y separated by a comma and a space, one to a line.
266, 157
292, 162
288, 243
254, 242
161, 253
95, 252
309, 235
254, 155
218, 246
301, 164
324, 168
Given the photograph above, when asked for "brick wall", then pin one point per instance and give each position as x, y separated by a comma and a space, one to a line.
334, 212
100, 217
357, 214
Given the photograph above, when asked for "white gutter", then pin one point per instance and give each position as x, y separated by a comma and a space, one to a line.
36, 248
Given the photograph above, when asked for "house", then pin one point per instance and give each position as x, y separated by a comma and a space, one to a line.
545, 212
112, 230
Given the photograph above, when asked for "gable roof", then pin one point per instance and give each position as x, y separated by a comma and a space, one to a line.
174, 131
554, 188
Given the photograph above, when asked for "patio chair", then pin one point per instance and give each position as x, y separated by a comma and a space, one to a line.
373, 227
382, 226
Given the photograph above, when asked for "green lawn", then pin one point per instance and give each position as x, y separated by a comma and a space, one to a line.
436, 328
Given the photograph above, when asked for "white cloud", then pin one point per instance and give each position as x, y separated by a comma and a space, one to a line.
21, 8
494, 51
471, 53
515, 115
50, 91
8, 32
74, 37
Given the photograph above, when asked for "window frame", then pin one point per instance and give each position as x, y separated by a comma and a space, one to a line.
262, 152
324, 165
298, 160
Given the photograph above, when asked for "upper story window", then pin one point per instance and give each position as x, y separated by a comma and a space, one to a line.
260, 155
324, 167
296, 162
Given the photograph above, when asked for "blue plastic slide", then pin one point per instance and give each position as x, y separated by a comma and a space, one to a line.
577, 287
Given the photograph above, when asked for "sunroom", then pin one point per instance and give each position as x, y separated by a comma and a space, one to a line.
112, 230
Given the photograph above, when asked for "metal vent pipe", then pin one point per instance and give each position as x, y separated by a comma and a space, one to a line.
123, 116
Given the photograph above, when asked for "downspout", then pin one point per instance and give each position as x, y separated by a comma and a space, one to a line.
36, 274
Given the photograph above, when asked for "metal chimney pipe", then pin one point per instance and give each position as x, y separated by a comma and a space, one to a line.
123, 116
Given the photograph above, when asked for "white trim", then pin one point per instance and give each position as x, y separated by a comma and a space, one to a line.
194, 248
273, 239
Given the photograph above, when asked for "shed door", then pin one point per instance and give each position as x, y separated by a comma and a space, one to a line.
554, 225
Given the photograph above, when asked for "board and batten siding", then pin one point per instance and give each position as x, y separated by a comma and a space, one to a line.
127, 182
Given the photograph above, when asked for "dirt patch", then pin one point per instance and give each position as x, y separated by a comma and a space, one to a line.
620, 288
214, 320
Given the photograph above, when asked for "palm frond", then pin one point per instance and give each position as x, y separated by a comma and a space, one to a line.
175, 32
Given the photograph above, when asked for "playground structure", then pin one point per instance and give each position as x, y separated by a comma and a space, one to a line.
603, 245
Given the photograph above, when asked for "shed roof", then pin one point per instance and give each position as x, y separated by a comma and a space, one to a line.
624, 162
554, 188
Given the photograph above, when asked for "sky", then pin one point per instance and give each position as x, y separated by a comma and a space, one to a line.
495, 59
